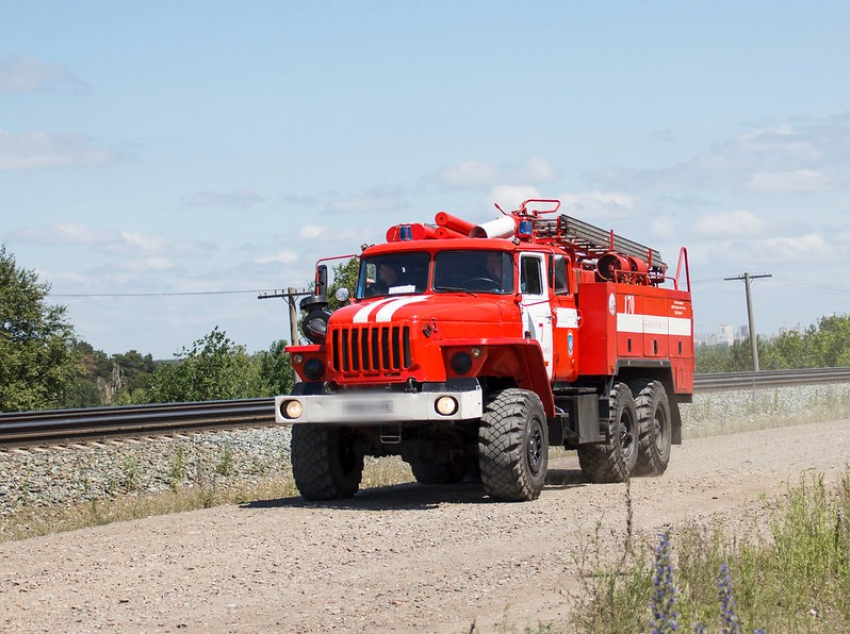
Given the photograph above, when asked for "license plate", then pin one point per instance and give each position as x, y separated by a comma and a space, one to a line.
368, 408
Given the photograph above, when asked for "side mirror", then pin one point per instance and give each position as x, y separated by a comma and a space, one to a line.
322, 280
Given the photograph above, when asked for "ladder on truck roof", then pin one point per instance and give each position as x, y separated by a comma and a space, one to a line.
590, 242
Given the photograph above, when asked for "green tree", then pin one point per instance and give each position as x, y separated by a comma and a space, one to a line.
276, 369
345, 276
38, 363
832, 341
121, 379
134, 372
214, 369
824, 345
714, 358
84, 392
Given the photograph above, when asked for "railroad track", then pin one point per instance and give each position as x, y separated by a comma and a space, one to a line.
769, 378
69, 426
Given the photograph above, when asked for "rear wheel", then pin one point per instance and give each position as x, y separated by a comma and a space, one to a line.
655, 435
513, 446
614, 460
325, 462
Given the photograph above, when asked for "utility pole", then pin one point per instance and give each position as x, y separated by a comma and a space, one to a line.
290, 296
747, 278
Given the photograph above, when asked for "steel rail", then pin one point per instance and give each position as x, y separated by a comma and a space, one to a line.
68, 426
51, 427
769, 378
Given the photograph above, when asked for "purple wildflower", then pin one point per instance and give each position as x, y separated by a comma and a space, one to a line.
663, 601
728, 617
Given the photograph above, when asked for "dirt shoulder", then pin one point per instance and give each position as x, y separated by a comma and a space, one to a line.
398, 559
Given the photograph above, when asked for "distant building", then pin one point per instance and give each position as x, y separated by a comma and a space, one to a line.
726, 334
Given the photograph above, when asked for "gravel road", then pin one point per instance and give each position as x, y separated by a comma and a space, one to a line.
406, 558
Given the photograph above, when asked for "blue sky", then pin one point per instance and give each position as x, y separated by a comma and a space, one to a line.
165, 149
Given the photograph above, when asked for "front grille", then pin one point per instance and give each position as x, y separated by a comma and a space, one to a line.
370, 348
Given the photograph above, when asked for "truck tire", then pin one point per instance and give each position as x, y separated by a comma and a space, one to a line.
513, 446
655, 436
325, 462
450, 472
614, 461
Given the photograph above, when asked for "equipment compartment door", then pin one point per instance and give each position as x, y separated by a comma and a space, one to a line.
536, 308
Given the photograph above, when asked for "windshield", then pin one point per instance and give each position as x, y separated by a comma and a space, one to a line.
393, 274
478, 271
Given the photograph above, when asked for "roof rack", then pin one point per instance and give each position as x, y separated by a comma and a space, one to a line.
589, 241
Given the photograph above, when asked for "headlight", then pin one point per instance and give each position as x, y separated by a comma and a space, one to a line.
461, 362
445, 405
314, 369
291, 409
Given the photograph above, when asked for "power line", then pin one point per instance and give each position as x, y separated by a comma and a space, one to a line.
159, 294
812, 287
710, 279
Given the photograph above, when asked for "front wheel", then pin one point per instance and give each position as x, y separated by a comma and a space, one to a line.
325, 462
513, 446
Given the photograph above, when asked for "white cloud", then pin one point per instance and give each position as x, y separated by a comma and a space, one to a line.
665, 228
123, 243
808, 247
480, 174
66, 233
145, 244
26, 75
470, 174
595, 205
759, 253
240, 198
791, 182
734, 224
283, 257
510, 197
537, 170
376, 200
781, 140
309, 232
38, 149
800, 156
146, 264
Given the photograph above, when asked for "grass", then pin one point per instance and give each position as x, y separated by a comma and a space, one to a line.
128, 502
792, 577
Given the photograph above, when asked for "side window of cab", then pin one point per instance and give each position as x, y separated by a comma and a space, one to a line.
531, 274
559, 278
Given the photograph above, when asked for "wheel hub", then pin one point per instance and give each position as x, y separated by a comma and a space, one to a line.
534, 447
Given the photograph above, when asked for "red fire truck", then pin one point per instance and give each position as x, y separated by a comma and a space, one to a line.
470, 350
